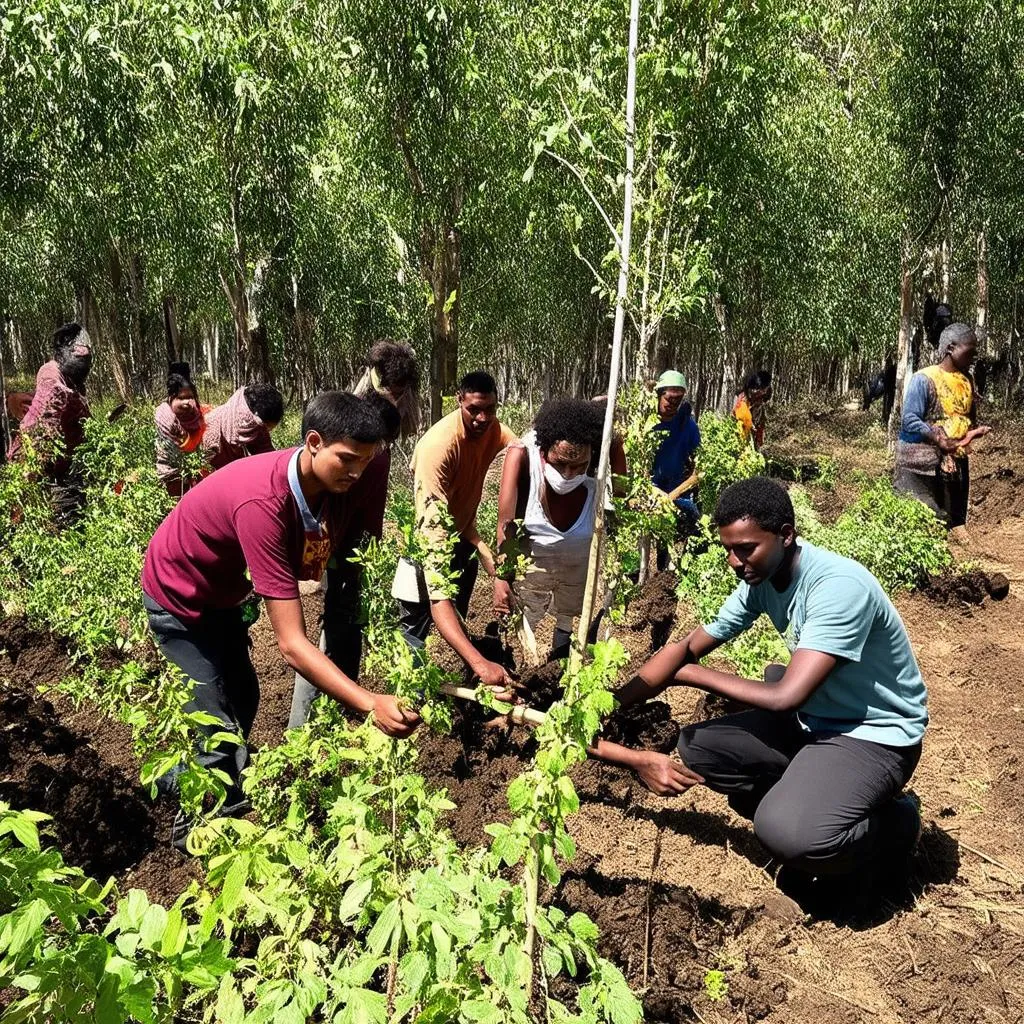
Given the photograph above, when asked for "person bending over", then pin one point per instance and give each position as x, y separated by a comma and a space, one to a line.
820, 760
449, 465
242, 425
545, 485
277, 515
341, 637
55, 419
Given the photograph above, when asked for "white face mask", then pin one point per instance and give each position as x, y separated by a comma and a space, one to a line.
560, 484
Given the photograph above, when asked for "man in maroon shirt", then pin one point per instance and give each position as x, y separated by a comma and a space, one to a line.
280, 515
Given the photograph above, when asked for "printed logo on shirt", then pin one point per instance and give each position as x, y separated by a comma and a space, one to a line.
316, 552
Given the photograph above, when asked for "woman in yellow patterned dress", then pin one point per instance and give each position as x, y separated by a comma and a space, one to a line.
939, 424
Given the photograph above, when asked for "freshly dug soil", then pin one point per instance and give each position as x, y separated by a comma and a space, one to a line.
951, 587
655, 607
103, 821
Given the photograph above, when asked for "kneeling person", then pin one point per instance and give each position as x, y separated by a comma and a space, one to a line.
821, 759
279, 514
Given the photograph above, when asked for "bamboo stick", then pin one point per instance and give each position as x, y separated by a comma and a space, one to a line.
519, 715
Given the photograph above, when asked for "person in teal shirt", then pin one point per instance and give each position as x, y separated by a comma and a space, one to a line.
820, 759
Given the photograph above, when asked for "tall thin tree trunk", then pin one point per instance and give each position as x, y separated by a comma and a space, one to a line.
981, 316
903, 344
171, 336
946, 256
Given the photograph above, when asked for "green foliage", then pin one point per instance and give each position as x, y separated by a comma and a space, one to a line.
723, 457
897, 538
715, 986
70, 947
82, 583
641, 512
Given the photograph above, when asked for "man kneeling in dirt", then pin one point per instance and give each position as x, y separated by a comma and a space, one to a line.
279, 514
820, 759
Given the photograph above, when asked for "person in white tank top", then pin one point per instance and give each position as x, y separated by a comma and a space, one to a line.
545, 487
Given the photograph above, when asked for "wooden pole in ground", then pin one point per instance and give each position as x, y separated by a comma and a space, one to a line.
531, 869
594, 563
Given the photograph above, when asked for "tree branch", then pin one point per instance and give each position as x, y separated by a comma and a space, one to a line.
586, 188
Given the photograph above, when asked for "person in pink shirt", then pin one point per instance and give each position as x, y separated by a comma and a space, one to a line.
279, 515
242, 425
55, 420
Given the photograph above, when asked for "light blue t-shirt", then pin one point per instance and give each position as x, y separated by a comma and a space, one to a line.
835, 606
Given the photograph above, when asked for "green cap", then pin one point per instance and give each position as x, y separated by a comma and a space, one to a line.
670, 379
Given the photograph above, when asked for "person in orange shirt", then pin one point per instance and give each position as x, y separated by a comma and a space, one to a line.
751, 408
449, 465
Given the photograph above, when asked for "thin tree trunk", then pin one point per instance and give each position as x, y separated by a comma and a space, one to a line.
946, 256
171, 336
903, 345
120, 365
981, 316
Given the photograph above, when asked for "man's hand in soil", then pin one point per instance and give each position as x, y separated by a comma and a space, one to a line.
663, 775
502, 597
391, 719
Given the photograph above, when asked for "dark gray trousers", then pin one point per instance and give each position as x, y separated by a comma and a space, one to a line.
414, 616
821, 803
214, 652
341, 639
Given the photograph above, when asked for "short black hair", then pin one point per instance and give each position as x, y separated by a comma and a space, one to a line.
265, 401
179, 377
758, 498
568, 419
389, 415
758, 381
66, 334
335, 415
395, 363
479, 382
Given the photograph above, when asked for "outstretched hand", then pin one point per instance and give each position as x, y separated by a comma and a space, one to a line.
663, 775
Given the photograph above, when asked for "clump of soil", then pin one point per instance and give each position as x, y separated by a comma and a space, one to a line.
971, 587
77, 767
655, 606
645, 726
664, 938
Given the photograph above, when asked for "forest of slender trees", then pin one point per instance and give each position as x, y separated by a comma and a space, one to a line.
263, 189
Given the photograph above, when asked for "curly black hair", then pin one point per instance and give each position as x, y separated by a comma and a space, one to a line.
758, 498
395, 363
568, 419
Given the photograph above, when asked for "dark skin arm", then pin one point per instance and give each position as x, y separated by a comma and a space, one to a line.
512, 473
308, 660
676, 664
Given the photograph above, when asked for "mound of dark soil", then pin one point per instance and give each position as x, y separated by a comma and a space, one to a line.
101, 821
76, 767
967, 587
655, 608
